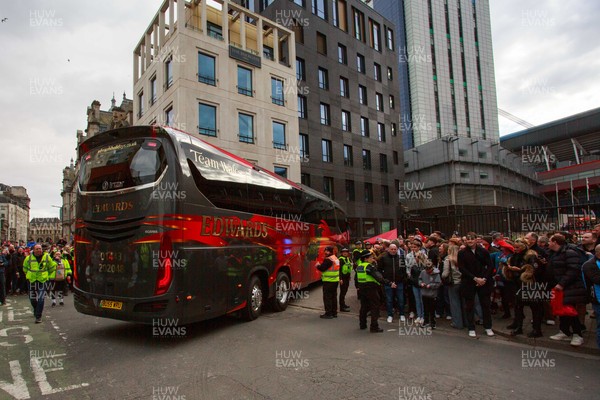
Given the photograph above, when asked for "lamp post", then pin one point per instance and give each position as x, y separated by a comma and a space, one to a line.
510, 207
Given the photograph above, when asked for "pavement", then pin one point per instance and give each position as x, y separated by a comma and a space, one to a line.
313, 299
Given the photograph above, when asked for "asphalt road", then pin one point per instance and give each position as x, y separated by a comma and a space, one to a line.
289, 355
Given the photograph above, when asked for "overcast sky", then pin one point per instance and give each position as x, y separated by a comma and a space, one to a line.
58, 56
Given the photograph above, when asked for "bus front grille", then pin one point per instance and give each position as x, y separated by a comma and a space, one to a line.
112, 231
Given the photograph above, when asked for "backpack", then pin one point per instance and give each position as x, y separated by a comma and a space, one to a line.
60, 272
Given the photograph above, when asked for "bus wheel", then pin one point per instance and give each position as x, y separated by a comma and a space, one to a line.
254, 299
282, 292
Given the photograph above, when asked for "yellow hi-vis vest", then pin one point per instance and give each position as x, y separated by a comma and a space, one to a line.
361, 273
39, 272
333, 273
346, 265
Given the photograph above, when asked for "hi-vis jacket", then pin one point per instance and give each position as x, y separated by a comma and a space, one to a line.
39, 272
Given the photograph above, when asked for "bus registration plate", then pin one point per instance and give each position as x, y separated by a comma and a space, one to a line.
115, 305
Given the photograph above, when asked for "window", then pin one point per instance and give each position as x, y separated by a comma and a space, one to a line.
169, 116
394, 129
360, 63
299, 2
328, 186
304, 147
379, 101
300, 69
464, 175
279, 136
346, 121
319, 8
281, 171
321, 43
364, 127
324, 111
302, 104
395, 156
342, 54
380, 132
214, 30
377, 72
206, 69
244, 85
277, 91
323, 79
326, 150
153, 92
362, 95
141, 105
383, 163
366, 158
483, 175
305, 179
268, 52
348, 158
339, 15
368, 193
385, 194
359, 24
390, 38
298, 29
246, 125
207, 120
344, 87
168, 72
392, 102
375, 35
482, 154
389, 73
350, 190
462, 152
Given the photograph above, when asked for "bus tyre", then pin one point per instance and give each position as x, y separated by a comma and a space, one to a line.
282, 292
254, 299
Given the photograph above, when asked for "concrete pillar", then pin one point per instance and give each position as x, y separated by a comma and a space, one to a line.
243, 30
203, 17
161, 29
181, 14
225, 22
275, 44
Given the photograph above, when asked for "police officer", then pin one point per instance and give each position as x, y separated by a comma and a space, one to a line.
330, 270
369, 280
345, 273
37, 267
356, 252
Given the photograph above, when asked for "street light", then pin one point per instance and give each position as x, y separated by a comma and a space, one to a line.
510, 207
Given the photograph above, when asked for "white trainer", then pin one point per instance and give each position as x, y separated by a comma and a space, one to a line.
550, 322
389, 320
577, 340
411, 315
489, 332
402, 318
449, 317
472, 334
560, 336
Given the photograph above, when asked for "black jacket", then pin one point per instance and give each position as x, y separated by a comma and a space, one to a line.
392, 268
566, 271
472, 265
591, 272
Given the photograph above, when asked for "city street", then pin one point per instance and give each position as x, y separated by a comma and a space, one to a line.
289, 355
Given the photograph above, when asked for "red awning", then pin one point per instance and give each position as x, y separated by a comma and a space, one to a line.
389, 235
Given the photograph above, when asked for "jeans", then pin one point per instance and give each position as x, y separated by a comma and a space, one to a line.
37, 293
456, 306
389, 298
596, 308
418, 302
483, 294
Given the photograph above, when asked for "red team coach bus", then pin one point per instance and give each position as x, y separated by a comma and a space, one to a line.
170, 226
